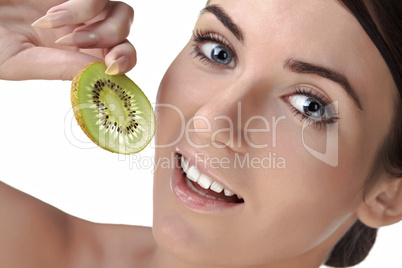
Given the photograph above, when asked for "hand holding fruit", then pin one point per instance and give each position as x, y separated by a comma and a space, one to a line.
63, 38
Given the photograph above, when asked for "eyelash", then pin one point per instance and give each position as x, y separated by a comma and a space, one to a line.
200, 36
308, 92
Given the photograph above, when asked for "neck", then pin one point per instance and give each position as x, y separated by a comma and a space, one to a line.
161, 258
313, 258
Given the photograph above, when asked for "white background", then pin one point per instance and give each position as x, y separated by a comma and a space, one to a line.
42, 148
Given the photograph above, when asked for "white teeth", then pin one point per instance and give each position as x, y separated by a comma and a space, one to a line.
193, 173
184, 164
216, 187
228, 193
189, 184
204, 181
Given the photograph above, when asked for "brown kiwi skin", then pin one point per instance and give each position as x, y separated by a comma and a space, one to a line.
76, 108
78, 114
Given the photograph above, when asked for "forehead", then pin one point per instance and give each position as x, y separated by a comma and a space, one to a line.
296, 24
319, 31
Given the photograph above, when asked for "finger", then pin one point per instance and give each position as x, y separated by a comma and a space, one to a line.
121, 59
45, 63
113, 30
70, 13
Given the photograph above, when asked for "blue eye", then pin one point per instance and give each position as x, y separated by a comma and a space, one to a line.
218, 54
312, 106
214, 49
309, 106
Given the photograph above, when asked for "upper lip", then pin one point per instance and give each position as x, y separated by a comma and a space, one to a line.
201, 165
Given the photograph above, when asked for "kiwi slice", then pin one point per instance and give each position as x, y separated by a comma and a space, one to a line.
112, 110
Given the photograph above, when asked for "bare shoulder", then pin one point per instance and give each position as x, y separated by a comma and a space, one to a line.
33, 233
132, 244
111, 245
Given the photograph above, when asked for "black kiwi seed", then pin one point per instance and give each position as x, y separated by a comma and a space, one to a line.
120, 132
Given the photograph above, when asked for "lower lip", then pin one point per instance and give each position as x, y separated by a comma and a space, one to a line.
194, 201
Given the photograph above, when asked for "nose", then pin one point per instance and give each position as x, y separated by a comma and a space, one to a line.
220, 121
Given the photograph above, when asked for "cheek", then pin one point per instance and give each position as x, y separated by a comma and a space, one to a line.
182, 92
321, 168
306, 201
174, 102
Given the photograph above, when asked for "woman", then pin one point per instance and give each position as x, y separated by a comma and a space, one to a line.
273, 78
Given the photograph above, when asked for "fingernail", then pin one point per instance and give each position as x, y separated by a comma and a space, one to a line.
117, 66
53, 19
80, 39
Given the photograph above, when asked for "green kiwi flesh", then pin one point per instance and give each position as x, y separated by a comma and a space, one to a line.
112, 110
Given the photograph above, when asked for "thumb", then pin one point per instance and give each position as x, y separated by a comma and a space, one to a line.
45, 63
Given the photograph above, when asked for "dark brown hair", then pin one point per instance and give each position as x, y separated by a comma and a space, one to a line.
381, 19
353, 247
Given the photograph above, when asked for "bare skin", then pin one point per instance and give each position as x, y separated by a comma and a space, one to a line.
277, 225
48, 237
30, 52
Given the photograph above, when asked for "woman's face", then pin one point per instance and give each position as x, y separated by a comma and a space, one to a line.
283, 103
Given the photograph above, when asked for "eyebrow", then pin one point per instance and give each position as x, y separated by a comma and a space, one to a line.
221, 15
308, 68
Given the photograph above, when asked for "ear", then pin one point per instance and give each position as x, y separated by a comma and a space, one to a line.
383, 206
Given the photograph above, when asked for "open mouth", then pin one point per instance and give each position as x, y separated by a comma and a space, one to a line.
204, 186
